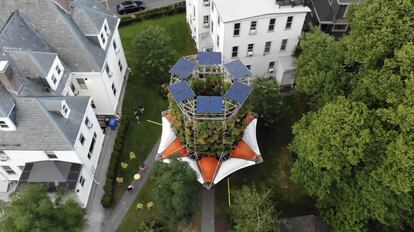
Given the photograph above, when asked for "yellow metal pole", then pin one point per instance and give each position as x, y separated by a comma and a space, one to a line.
228, 190
157, 123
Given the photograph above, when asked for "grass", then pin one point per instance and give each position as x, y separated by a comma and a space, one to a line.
141, 137
274, 172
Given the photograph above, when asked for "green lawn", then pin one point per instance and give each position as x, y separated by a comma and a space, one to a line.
141, 137
274, 171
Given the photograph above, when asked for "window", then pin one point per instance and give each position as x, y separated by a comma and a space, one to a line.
113, 88
212, 7
92, 146
206, 2
106, 29
8, 169
212, 30
289, 22
103, 38
340, 27
81, 83
234, 51
53, 79
120, 66
58, 70
267, 47
253, 25
108, 71
250, 49
218, 41
271, 25
236, 31
72, 87
51, 155
115, 46
283, 46
3, 124
218, 20
82, 181
206, 21
93, 105
248, 66
65, 108
87, 121
81, 139
271, 66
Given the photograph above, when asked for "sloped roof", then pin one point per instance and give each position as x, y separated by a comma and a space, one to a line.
36, 63
39, 129
62, 32
6, 102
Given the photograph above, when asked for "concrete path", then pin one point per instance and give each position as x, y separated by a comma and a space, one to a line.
207, 211
95, 212
113, 222
111, 4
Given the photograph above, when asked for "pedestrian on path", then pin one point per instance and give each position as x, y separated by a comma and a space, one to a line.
141, 108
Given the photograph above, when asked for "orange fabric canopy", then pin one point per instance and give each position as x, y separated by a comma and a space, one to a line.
176, 147
243, 151
208, 166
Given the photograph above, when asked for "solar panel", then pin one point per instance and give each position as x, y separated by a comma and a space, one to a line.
209, 58
210, 104
183, 68
238, 92
237, 69
181, 91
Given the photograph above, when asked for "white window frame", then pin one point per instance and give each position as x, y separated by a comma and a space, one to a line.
206, 21
288, 25
65, 110
238, 29
250, 50
273, 25
283, 45
232, 51
268, 48
253, 27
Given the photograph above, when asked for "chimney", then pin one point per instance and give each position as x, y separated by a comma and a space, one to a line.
64, 4
8, 79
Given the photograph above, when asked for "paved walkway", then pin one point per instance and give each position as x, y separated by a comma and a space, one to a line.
207, 213
128, 198
95, 212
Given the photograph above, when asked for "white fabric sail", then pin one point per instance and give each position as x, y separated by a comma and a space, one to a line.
249, 136
167, 136
229, 166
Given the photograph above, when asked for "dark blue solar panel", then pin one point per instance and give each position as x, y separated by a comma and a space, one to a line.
238, 92
209, 104
183, 68
181, 91
208, 58
237, 69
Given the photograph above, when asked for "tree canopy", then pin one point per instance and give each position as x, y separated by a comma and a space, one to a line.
355, 153
154, 54
253, 211
176, 194
31, 209
266, 100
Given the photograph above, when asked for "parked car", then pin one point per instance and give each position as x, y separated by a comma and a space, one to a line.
129, 7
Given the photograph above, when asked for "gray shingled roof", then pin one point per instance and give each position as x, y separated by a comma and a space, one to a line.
323, 11
61, 32
40, 129
37, 64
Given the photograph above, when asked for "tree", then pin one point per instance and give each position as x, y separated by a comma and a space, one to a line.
266, 100
154, 54
341, 150
176, 195
320, 70
253, 211
31, 209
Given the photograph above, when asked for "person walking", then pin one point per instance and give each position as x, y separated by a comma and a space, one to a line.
141, 108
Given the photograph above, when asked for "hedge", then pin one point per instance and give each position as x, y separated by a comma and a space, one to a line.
107, 198
171, 9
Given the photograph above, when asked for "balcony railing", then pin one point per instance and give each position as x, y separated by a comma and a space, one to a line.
290, 2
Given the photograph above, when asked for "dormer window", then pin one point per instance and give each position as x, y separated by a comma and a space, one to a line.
58, 70
104, 34
53, 79
65, 109
3, 125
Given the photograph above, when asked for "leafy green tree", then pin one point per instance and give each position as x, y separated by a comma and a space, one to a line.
154, 54
176, 194
253, 211
266, 100
320, 71
347, 161
31, 209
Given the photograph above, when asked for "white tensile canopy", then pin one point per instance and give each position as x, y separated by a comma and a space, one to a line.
249, 136
167, 136
229, 166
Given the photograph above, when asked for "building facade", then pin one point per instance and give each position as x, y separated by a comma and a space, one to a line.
331, 15
262, 34
61, 64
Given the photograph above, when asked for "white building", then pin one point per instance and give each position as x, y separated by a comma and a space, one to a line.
61, 64
263, 34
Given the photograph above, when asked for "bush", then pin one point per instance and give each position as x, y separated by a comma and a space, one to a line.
172, 9
107, 198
